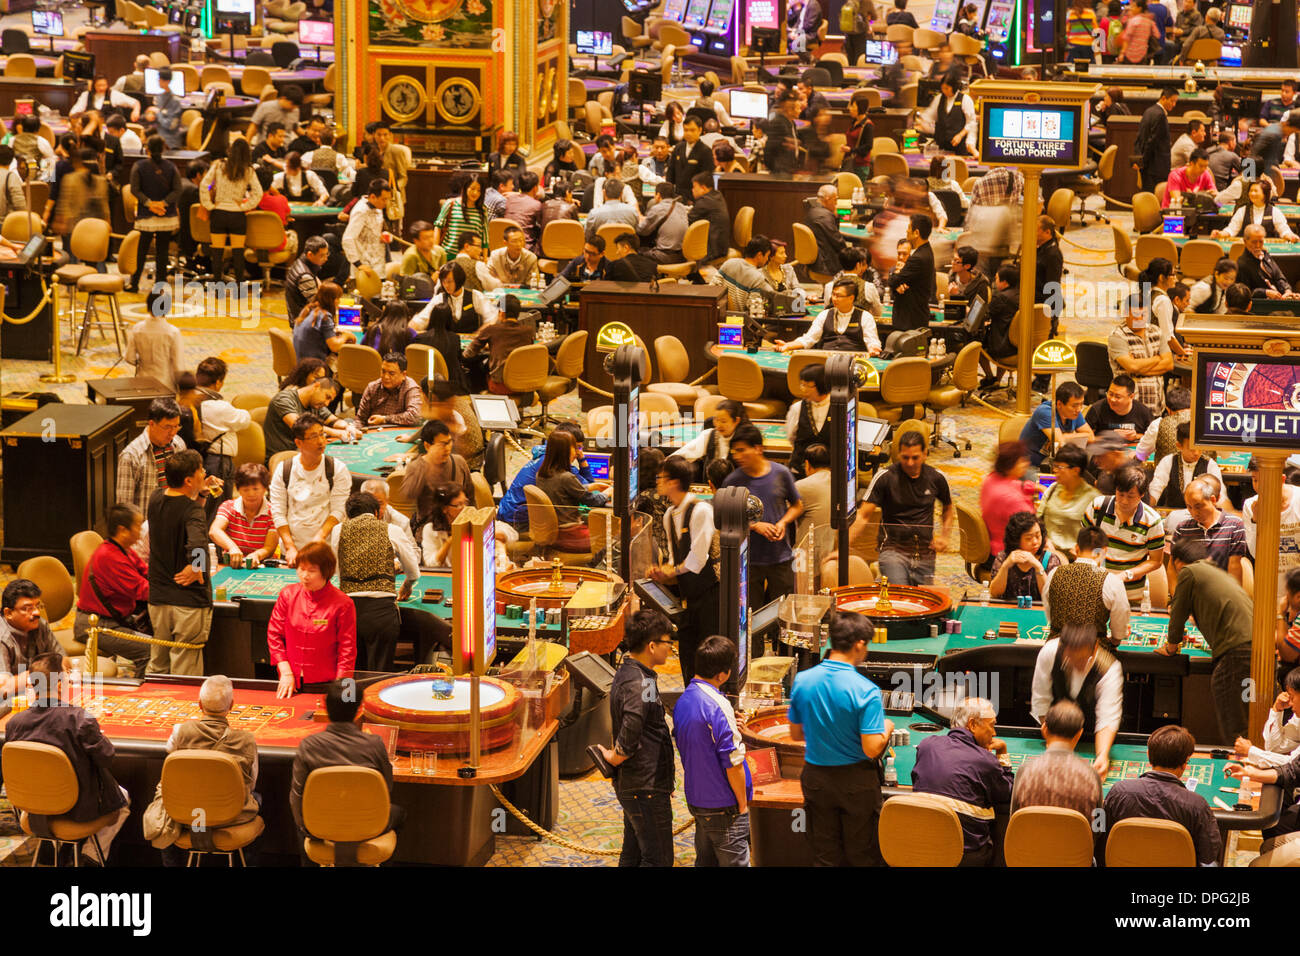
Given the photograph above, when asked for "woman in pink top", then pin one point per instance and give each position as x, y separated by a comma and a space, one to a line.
312, 635
1005, 491
1138, 31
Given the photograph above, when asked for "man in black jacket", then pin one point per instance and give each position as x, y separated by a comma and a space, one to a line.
913, 285
643, 749
710, 205
1151, 150
1049, 268
781, 148
820, 218
689, 158
1259, 271
630, 266
996, 335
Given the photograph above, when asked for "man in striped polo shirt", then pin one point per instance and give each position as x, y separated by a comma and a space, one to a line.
1135, 534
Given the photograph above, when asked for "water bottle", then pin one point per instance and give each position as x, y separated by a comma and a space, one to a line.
984, 596
1146, 599
891, 772
1244, 794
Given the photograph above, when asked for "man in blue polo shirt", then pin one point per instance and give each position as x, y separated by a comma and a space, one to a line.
717, 781
1066, 415
841, 716
514, 507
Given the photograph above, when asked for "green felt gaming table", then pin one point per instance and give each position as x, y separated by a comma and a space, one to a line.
306, 210
377, 453
675, 436
850, 231
1277, 248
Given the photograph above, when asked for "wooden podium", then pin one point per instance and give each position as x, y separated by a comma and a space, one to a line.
690, 312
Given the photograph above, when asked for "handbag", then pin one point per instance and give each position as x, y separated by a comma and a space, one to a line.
137, 620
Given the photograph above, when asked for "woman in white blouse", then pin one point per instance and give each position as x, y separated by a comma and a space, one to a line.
101, 98
1258, 210
672, 128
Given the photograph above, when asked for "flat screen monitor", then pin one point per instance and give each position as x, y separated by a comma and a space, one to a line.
719, 18
882, 52
1239, 101
1230, 56
872, 433
595, 42
944, 16
998, 22
674, 10
1246, 400
235, 6
645, 87
731, 336
153, 83
974, 316
24, 107
193, 20
696, 12
176, 14
1175, 225
78, 65
760, 13
48, 23
234, 24
599, 463
1239, 16
1037, 135
747, 105
1042, 14
496, 412
316, 32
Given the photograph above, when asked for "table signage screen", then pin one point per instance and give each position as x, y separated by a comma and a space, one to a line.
1031, 135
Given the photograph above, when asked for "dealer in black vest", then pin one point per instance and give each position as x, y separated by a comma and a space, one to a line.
808, 421
951, 117
1076, 666
690, 567
841, 328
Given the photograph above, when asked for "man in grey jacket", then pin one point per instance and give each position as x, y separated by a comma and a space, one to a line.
666, 221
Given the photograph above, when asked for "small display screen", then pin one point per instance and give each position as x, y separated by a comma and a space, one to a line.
696, 11
153, 82
316, 32
1239, 16
759, 13
746, 105
882, 52
595, 42
24, 107
1174, 225
494, 412
674, 10
599, 464
742, 638
851, 456
349, 315
235, 6
47, 23
719, 18
731, 336
633, 443
1230, 56
1247, 403
176, 15
945, 12
998, 24
1037, 135
489, 594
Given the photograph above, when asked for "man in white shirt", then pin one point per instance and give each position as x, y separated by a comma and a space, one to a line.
365, 241
1076, 667
310, 503
841, 327
115, 126
856, 263
1190, 464
1280, 739
512, 264
135, 78
689, 567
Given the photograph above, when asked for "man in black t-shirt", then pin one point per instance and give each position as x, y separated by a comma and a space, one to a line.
180, 596
271, 150
1119, 412
905, 495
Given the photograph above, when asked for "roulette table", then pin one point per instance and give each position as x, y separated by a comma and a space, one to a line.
905, 611
774, 844
440, 721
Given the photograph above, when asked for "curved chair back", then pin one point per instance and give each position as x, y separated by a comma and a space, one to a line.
742, 229
600, 421
610, 232
90, 238
1146, 212
526, 369
251, 443
897, 33
1206, 49
1048, 836
1197, 258
1059, 206
917, 830
358, 366
1010, 428
494, 461
20, 226
543, 526
739, 378
847, 183
888, 164
345, 804
670, 355
883, 144
571, 356
798, 362
217, 74
202, 784
905, 381
497, 231
966, 367
1151, 247
83, 545
975, 545
58, 591
805, 244
1145, 842
482, 492
264, 233
562, 239
21, 65
284, 357
695, 243
911, 425
419, 361
39, 778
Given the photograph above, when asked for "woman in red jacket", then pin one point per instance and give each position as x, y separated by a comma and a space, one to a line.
312, 635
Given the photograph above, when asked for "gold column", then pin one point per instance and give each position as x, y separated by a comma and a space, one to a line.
1028, 264
1268, 511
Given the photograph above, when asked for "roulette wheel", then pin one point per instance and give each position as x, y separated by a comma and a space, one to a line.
594, 624
440, 722
770, 727
904, 611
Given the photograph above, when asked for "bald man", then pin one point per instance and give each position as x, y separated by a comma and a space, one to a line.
387, 513
821, 219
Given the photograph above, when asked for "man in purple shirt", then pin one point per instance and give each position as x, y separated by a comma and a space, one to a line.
716, 777
968, 767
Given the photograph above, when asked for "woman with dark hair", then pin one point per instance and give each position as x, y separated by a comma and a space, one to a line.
1256, 208
673, 128
1064, 503
392, 331
315, 334
372, 167
563, 163
648, 499
724, 158
1021, 568
507, 155
305, 372
463, 214
440, 337
779, 271
713, 443
230, 189
156, 186
1005, 490
300, 185
435, 537
312, 635
860, 137
556, 478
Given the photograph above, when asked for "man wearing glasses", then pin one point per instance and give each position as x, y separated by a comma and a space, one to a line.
642, 757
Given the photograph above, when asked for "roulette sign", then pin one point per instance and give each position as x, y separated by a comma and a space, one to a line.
1248, 399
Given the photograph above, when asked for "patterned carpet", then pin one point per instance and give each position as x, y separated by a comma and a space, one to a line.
589, 814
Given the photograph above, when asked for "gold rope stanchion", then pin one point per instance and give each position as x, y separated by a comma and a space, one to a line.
554, 838
92, 642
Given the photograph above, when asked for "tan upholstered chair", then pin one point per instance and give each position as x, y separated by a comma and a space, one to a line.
284, 357
1048, 836
109, 284
43, 788
1124, 254
975, 545
525, 374
497, 231
674, 367
695, 246
1197, 258
964, 381
208, 785
570, 359
345, 812
1148, 842
419, 361
358, 366
544, 527
254, 80
740, 378
916, 830
806, 252
742, 230
250, 400
1150, 247
89, 241
83, 545
562, 240
904, 386
216, 74
251, 442
263, 239
1146, 212
20, 226
800, 360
